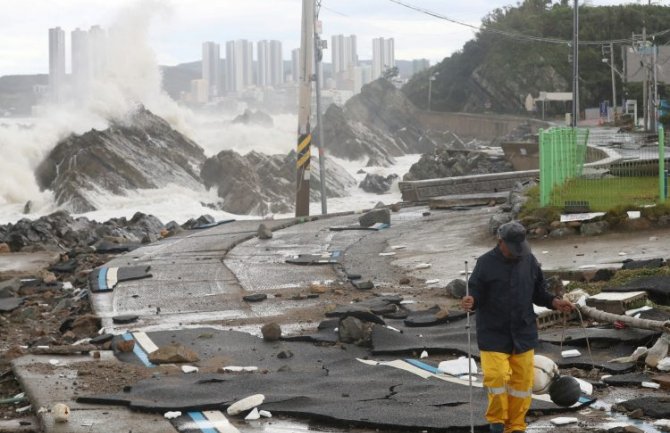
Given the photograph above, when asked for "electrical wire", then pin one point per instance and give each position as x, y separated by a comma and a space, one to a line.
518, 36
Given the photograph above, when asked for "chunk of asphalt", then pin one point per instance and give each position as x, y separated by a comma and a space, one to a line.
358, 312
629, 379
653, 407
603, 336
642, 264
125, 318
363, 284
429, 317
256, 297
102, 339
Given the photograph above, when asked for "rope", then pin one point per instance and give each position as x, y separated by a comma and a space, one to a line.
586, 336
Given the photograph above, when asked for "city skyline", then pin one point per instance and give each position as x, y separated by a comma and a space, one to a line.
179, 28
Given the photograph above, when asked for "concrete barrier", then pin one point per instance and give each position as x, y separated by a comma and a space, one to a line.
479, 126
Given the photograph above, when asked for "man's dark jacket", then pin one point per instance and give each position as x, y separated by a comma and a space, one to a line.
505, 291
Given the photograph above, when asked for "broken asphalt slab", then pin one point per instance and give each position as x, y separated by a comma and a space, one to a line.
657, 287
332, 394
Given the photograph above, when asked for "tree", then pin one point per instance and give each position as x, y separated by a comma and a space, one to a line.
390, 73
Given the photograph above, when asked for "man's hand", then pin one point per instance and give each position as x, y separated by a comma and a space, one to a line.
467, 303
562, 305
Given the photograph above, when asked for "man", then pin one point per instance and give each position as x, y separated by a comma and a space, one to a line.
504, 285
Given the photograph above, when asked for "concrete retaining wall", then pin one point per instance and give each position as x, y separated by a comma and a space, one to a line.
480, 126
420, 190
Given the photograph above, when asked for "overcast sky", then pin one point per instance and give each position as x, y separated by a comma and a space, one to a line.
180, 26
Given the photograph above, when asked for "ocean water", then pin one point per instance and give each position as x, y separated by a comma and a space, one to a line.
25, 142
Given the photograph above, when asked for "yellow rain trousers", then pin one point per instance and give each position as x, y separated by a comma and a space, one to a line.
508, 378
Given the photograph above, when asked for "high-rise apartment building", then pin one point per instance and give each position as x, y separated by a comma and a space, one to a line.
239, 65
295, 65
97, 51
211, 59
383, 56
56, 62
81, 66
276, 63
263, 54
344, 53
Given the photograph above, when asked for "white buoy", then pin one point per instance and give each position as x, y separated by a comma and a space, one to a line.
60, 412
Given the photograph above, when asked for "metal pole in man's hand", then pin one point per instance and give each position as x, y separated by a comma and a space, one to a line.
467, 293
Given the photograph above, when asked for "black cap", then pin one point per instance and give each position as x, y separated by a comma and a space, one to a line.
514, 236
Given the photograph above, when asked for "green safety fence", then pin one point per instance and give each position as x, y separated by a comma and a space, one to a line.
628, 169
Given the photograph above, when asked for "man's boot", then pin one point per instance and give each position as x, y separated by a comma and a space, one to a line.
497, 428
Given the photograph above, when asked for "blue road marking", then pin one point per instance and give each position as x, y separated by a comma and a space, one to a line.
423, 366
137, 350
198, 417
102, 279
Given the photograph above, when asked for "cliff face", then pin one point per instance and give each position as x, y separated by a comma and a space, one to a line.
378, 124
141, 151
260, 184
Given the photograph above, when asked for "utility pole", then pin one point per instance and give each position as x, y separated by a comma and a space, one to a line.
575, 64
319, 45
645, 85
305, 109
613, 80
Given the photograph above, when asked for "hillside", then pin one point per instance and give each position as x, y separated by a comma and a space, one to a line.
494, 72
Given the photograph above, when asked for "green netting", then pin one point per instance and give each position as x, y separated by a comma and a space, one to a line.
626, 168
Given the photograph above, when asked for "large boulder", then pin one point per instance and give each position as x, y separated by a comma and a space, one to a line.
250, 117
444, 162
260, 184
377, 184
140, 151
379, 123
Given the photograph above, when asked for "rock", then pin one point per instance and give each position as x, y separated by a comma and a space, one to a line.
363, 284
46, 276
594, 228
271, 332
497, 220
445, 162
603, 275
396, 207
456, 288
285, 354
84, 326
353, 330
125, 346
264, 232
187, 369
173, 353
245, 404
250, 117
375, 216
128, 155
404, 281
641, 223
259, 184
4, 248
256, 297
379, 123
377, 184
562, 232
317, 288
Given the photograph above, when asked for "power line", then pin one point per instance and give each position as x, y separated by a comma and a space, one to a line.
514, 35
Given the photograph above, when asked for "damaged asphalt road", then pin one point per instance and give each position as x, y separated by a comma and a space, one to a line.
195, 298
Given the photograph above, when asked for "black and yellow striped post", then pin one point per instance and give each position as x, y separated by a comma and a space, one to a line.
302, 186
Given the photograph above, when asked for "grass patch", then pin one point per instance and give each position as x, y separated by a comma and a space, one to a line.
607, 193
